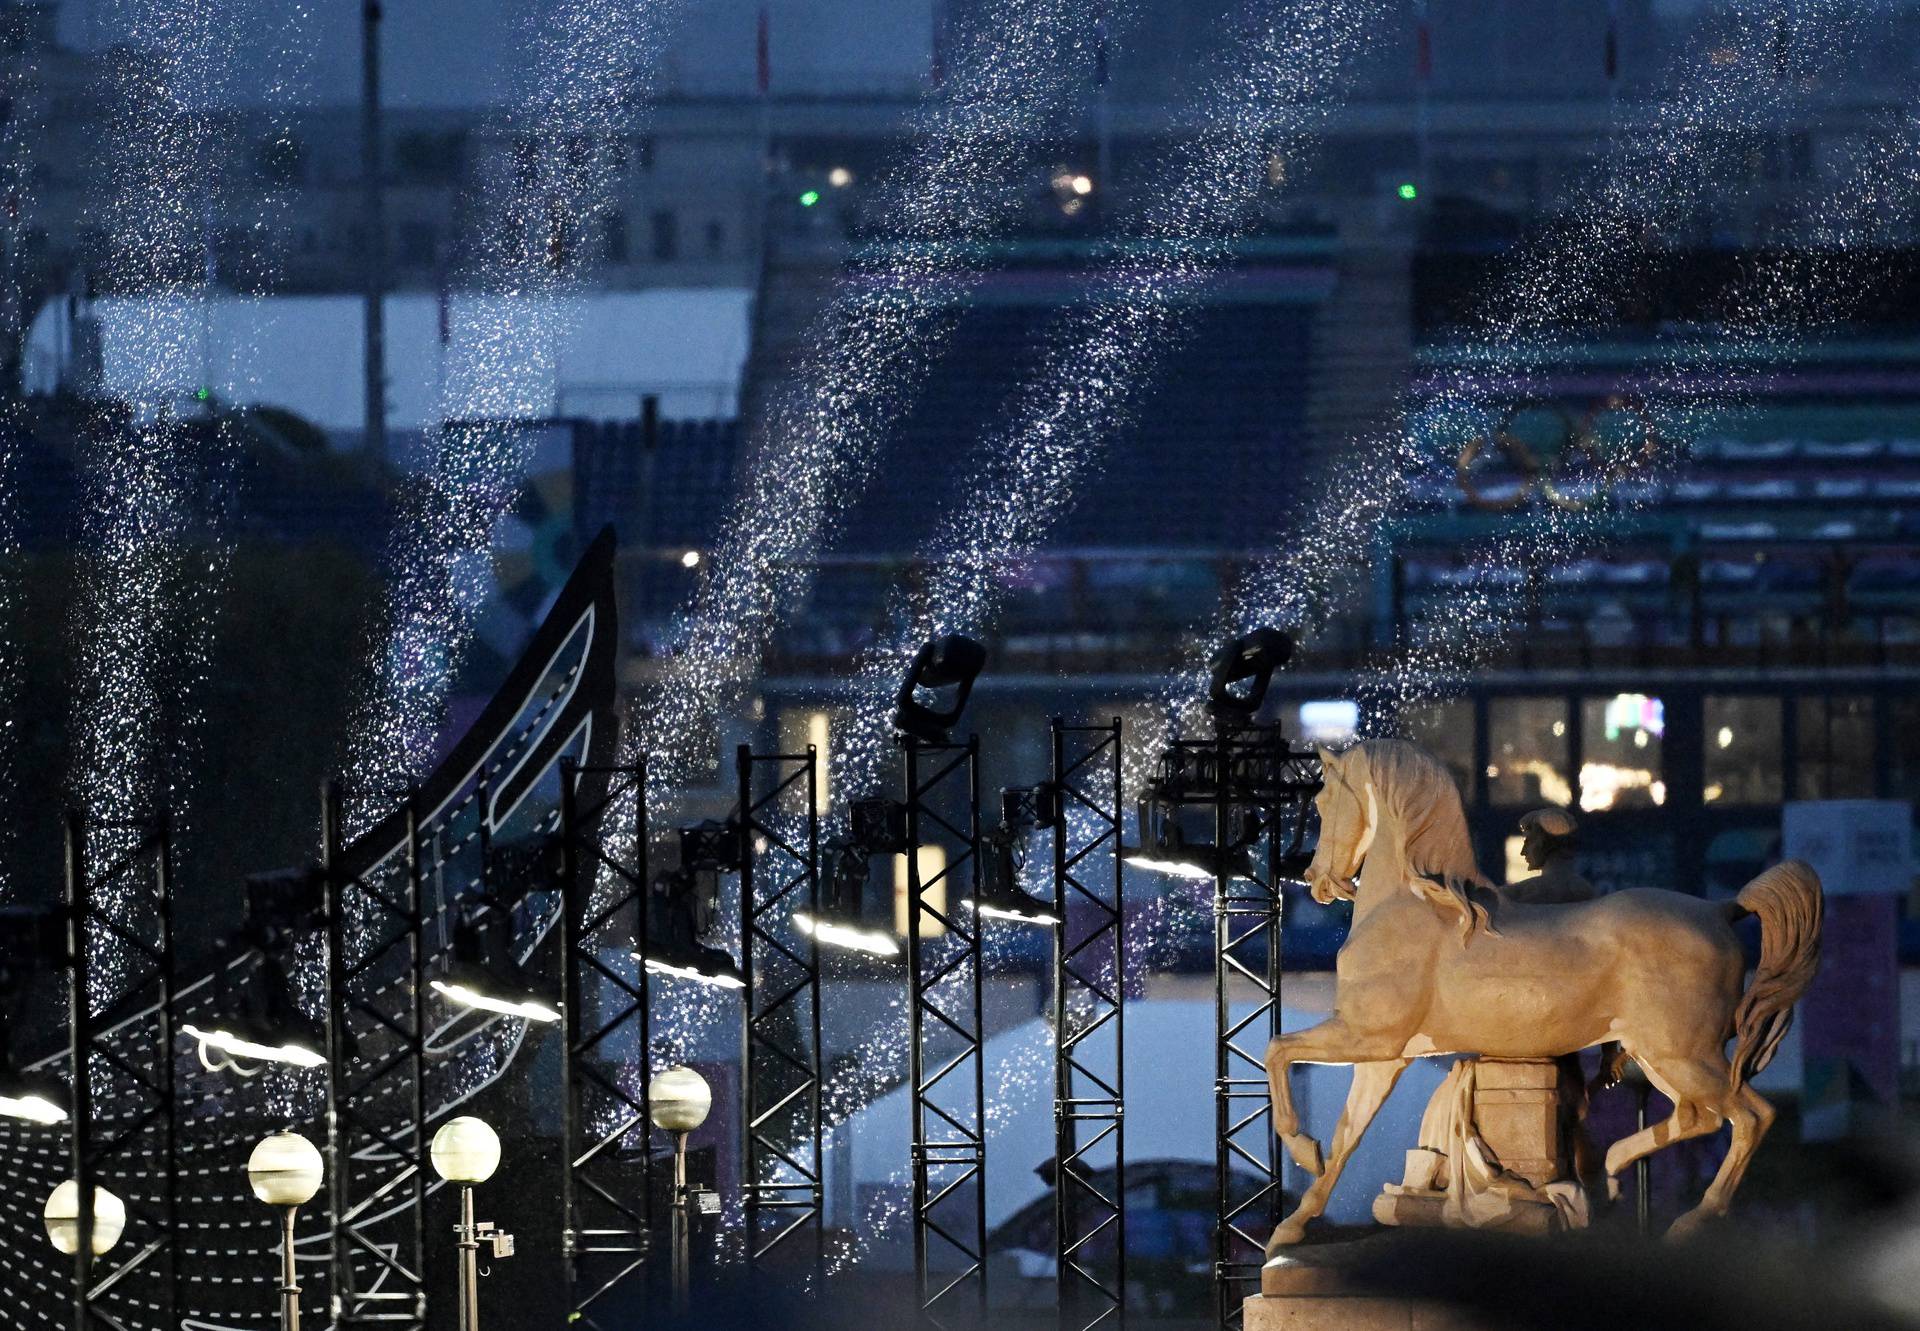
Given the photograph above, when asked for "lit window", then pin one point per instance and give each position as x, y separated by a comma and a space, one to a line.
1527, 752
1835, 744
1620, 752
933, 865
1741, 758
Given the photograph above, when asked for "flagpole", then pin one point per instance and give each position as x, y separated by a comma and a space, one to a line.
374, 227
1103, 119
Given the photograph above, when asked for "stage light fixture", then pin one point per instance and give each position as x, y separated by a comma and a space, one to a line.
260, 1021
32, 940
482, 973
1166, 848
673, 936
841, 919
1242, 671
33, 1098
1023, 810
949, 663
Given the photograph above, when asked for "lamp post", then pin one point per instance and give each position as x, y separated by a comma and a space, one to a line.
678, 1101
465, 1152
285, 1170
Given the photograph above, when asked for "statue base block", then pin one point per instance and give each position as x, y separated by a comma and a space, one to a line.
1309, 1288
1338, 1313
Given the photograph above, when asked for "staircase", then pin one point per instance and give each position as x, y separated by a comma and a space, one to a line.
797, 280
1362, 347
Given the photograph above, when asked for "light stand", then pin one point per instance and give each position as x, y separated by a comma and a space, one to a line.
606, 1147
1089, 1017
679, 1100
1256, 788
285, 1171
466, 1152
946, 1032
781, 1157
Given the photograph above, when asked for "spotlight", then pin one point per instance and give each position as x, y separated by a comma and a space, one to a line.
1242, 671
238, 1038
952, 662
1165, 848
261, 1022
482, 973
840, 921
878, 826
691, 559
710, 847
62, 1218
839, 177
673, 941
1023, 810
32, 940
33, 1098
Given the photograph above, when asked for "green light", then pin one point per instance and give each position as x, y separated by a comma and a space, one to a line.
810, 198
202, 394
1408, 191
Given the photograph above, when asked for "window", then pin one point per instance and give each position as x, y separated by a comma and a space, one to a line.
613, 228
799, 727
1835, 744
1743, 756
1446, 731
418, 244
1903, 742
933, 866
666, 237
1620, 739
1527, 760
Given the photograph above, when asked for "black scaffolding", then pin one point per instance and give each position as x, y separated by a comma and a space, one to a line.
606, 1032
119, 945
376, 1059
1258, 790
1089, 1000
782, 1161
945, 1031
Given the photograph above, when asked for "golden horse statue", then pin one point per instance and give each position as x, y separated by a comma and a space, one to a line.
1431, 966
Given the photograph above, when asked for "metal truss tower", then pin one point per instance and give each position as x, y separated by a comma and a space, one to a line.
781, 1154
376, 1044
1257, 790
119, 943
1089, 995
944, 1027
606, 1031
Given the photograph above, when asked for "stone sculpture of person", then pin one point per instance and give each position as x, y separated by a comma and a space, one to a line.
1546, 843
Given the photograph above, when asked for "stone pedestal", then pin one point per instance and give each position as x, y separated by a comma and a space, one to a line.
1487, 1160
1309, 1289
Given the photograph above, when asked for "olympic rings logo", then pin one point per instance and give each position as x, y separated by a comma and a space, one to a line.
1597, 466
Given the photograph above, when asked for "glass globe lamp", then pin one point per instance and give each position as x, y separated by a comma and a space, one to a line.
62, 1216
679, 1099
465, 1150
285, 1170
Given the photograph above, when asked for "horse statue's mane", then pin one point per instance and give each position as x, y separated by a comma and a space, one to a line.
1424, 798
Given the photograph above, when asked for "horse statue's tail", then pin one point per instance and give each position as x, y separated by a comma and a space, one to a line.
1787, 900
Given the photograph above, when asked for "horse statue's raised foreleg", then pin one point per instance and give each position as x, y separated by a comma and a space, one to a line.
1372, 1083
1377, 1057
